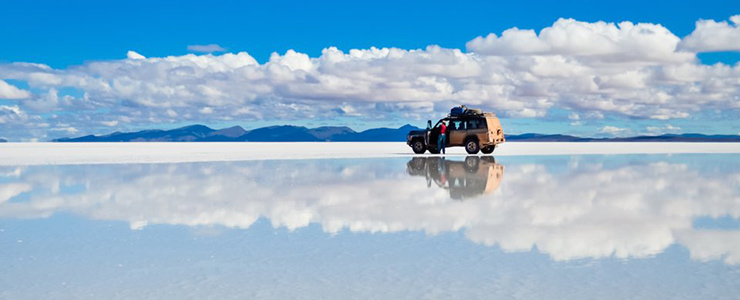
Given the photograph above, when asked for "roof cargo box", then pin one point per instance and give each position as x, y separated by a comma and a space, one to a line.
457, 111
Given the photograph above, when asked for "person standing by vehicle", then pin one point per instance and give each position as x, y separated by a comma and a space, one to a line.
442, 135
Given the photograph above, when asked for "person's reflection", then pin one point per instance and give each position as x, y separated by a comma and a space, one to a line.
463, 179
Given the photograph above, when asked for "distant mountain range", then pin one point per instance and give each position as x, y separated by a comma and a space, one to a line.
287, 133
3, 141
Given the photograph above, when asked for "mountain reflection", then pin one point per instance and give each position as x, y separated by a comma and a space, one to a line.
463, 179
567, 207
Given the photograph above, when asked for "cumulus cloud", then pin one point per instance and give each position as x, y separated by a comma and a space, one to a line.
713, 36
713, 245
7, 112
624, 70
134, 55
210, 48
610, 42
8, 91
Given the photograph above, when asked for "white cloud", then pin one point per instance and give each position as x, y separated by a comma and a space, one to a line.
45, 103
662, 129
711, 36
66, 129
708, 245
612, 130
575, 119
8, 91
11, 109
622, 70
210, 48
133, 55
17, 124
206, 110
610, 42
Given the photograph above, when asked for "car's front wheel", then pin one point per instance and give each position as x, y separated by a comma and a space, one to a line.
471, 146
488, 150
418, 147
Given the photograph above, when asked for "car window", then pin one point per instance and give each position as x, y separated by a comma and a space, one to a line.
474, 124
457, 125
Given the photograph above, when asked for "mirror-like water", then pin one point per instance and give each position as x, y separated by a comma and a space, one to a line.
651, 226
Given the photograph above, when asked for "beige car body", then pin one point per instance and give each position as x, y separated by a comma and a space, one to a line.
492, 135
475, 131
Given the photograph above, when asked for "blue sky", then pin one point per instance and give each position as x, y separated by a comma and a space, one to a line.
62, 34
72, 35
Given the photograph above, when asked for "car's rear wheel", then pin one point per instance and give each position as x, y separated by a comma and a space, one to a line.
488, 150
471, 164
418, 147
471, 146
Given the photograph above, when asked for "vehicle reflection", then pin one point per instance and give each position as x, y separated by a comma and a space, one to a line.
473, 177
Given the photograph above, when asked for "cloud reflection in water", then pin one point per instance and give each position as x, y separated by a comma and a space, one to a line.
567, 207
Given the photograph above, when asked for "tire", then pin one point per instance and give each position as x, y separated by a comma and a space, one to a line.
471, 164
471, 146
418, 147
488, 150
416, 166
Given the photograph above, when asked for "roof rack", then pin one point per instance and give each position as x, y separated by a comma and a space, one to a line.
466, 112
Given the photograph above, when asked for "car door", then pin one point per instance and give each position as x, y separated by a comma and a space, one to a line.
434, 134
457, 129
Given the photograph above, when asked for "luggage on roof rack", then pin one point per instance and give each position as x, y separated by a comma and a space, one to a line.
457, 111
462, 110
474, 111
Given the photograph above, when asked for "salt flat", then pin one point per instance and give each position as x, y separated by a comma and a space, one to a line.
580, 226
114, 153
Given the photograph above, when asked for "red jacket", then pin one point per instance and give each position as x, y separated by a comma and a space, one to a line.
442, 129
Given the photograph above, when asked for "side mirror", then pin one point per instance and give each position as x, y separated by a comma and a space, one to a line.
429, 124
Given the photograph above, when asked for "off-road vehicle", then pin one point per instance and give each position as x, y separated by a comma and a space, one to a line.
471, 128
467, 179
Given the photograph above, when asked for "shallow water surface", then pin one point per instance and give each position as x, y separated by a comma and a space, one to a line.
536, 227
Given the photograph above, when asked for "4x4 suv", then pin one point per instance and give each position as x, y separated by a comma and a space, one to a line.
472, 129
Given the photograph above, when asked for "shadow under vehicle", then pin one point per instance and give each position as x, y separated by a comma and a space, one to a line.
471, 128
466, 179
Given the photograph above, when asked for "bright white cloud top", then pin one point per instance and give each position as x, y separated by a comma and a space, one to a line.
714, 36
8, 91
624, 70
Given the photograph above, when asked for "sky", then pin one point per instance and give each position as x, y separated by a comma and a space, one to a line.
586, 68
